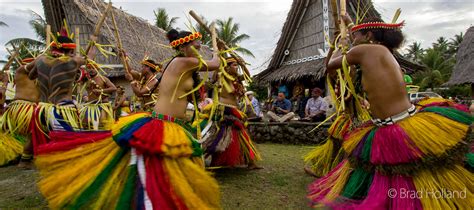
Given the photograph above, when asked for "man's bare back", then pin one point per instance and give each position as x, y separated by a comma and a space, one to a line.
25, 88
56, 78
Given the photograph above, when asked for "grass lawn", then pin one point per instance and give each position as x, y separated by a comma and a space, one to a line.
280, 185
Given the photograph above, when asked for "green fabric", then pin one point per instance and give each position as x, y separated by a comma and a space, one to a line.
470, 160
408, 80
451, 113
366, 150
126, 197
358, 185
90, 192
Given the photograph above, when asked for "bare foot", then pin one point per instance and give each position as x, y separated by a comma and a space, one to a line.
309, 171
254, 167
26, 164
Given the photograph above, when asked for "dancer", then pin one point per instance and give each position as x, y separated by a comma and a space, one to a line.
403, 148
16, 121
229, 142
121, 104
97, 113
148, 160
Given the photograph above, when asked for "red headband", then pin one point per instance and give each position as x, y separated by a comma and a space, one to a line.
377, 25
186, 39
63, 45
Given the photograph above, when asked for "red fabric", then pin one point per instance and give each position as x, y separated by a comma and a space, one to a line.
149, 138
65, 140
232, 156
37, 136
158, 187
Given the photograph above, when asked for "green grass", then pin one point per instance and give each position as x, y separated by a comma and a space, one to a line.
280, 185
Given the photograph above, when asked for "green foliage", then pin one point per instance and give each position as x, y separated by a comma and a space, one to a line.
455, 91
260, 91
162, 19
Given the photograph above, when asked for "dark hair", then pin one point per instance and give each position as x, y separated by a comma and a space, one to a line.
390, 38
65, 39
173, 34
154, 63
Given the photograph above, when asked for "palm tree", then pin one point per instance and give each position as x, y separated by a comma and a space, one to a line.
438, 69
455, 42
162, 19
228, 31
415, 51
38, 24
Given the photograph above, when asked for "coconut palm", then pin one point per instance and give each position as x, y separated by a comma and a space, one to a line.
228, 31
162, 19
415, 51
438, 67
455, 42
38, 23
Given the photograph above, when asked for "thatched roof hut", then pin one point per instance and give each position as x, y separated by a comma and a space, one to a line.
299, 51
463, 72
137, 35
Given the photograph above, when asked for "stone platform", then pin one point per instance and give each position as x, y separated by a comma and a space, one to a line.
293, 132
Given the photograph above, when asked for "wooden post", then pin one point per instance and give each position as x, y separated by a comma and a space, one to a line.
78, 41
48, 35
342, 25
13, 56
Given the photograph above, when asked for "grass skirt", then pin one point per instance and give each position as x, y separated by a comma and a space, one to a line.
421, 162
17, 117
143, 163
92, 116
10, 148
228, 140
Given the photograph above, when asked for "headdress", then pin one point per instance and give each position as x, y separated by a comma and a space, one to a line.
64, 32
375, 25
186, 39
145, 62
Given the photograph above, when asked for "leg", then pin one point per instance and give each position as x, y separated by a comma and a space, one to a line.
26, 161
287, 117
273, 116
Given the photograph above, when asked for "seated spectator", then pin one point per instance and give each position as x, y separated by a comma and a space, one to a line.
253, 111
281, 109
316, 107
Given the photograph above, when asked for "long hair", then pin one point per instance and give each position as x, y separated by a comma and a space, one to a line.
390, 38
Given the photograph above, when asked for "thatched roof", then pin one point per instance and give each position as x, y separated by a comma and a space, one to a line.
297, 54
137, 35
464, 69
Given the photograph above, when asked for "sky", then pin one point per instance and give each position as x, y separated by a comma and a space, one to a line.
263, 20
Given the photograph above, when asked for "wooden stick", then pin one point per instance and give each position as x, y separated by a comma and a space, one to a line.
10, 60
78, 41
335, 17
213, 36
119, 43
48, 34
342, 25
239, 59
99, 25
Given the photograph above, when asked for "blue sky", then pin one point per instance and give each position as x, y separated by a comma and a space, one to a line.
263, 19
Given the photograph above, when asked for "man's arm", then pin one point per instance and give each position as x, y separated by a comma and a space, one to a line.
144, 90
353, 56
110, 87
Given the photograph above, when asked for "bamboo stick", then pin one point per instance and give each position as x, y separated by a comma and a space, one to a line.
99, 25
13, 56
119, 43
342, 25
78, 41
48, 35
239, 59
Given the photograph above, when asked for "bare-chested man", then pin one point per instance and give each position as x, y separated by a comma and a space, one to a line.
145, 84
121, 104
230, 120
3, 89
19, 113
97, 113
56, 73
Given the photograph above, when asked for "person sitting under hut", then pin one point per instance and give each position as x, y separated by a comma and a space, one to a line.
281, 109
316, 107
